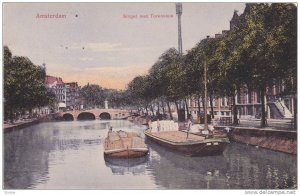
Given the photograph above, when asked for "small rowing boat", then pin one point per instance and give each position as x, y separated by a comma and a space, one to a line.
123, 144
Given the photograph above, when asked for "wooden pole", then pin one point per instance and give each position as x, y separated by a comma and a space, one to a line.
205, 97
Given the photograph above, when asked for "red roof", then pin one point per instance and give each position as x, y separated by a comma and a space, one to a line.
50, 80
72, 84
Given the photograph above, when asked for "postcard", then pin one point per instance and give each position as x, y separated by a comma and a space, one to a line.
150, 96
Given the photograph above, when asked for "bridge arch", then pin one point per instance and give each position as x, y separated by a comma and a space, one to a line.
104, 116
86, 116
68, 117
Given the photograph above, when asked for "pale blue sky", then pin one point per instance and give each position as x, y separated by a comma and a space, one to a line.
116, 49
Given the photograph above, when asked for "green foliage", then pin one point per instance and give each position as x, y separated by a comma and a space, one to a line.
24, 87
93, 95
117, 98
260, 50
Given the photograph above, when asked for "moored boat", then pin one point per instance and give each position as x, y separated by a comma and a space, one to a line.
121, 144
191, 144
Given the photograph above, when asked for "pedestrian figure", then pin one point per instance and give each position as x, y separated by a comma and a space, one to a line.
150, 124
189, 124
158, 126
110, 129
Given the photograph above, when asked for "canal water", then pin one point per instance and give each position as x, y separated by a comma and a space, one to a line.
69, 155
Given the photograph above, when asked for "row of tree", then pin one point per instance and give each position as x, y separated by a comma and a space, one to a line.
259, 51
95, 95
24, 86
25, 89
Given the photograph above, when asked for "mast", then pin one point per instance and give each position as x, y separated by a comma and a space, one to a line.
205, 91
205, 96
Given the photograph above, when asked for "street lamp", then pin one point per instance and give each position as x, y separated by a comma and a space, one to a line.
179, 13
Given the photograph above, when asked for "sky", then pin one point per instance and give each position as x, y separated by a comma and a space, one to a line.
107, 43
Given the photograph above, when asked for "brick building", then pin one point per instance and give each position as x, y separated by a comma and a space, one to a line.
57, 85
248, 101
73, 99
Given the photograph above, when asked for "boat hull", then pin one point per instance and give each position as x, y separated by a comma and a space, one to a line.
208, 147
126, 153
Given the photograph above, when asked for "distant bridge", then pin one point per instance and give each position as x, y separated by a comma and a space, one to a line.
93, 114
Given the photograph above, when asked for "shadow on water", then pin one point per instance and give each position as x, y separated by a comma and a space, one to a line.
121, 166
174, 170
27, 152
240, 167
25, 158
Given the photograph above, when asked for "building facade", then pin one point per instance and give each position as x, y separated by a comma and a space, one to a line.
248, 101
57, 85
73, 100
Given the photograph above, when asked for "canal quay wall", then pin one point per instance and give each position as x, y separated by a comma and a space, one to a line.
24, 124
139, 120
278, 140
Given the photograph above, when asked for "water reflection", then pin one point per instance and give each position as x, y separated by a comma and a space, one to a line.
186, 172
26, 158
261, 168
123, 166
69, 155
240, 167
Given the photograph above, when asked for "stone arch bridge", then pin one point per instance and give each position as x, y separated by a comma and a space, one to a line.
93, 114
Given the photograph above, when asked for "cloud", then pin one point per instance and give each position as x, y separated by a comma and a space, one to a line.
86, 59
132, 68
108, 76
110, 47
103, 47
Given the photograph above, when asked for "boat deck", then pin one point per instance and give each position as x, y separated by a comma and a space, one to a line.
177, 136
124, 140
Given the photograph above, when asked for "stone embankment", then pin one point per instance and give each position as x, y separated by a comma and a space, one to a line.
278, 140
26, 123
139, 120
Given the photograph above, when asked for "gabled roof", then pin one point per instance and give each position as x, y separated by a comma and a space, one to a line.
51, 80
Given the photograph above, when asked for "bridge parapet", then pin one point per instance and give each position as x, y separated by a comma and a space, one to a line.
114, 114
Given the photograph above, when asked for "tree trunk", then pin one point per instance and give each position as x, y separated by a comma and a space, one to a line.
211, 106
177, 109
147, 110
158, 108
11, 116
199, 106
163, 107
152, 110
138, 110
263, 122
234, 109
295, 111
30, 112
203, 104
187, 108
169, 108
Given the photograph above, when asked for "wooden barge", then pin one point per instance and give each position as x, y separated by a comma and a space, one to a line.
193, 145
121, 144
